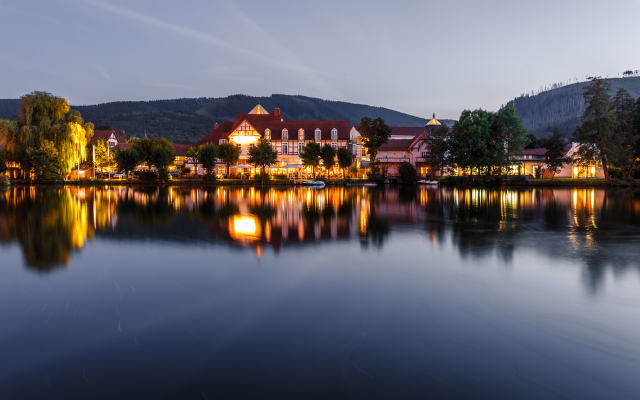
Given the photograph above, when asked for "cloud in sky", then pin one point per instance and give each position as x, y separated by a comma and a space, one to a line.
289, 62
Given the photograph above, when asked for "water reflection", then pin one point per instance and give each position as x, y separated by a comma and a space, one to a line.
595, 226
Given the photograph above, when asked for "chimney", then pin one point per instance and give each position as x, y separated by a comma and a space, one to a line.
276, 112
215, 126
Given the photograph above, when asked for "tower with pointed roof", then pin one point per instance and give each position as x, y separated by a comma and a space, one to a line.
433, 121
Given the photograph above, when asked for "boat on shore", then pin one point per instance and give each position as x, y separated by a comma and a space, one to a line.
313, 183
425, 182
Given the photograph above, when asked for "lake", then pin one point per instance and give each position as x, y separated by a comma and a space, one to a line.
287, 293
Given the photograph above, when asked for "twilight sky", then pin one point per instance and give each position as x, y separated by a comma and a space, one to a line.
417, 57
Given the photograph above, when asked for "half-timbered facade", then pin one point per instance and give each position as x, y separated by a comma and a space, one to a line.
286, 137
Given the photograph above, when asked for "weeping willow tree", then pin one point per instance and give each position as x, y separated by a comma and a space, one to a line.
45, 119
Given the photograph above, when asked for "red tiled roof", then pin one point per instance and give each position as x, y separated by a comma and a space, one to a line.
262, 122
105, 135
397, 145
181, 149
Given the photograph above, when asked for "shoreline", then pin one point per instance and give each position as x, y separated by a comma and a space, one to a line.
572, 183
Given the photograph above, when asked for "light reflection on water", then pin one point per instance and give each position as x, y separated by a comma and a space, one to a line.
339, 292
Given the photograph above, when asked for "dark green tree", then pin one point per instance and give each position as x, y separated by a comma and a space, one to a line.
437, 152
635, 130
310, 156
229, 154
509, 137
344, 160
192, 155
623, 107
535, 142
328, 156
374, 133
161, 158
207, 156
262, 155
3, 166
556, 154
407, 173
596, 136
44, 160
127, 160
145, 147
470, 142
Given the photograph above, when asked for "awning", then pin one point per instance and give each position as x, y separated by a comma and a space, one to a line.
365, 164
292, 166
243, 166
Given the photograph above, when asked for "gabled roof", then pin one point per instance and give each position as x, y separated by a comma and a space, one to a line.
105, 135
221, 132
258, 110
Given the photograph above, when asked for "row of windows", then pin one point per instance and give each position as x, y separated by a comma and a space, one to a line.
317, 134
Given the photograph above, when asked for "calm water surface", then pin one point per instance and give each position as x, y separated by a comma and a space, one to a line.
352, 293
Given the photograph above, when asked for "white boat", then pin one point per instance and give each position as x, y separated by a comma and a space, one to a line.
313, 183
425, 182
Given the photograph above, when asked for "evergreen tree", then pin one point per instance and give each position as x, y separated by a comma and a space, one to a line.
623, 107
229, 154
344, 160
437, 153
262, 155
596, 136
556, 155
310, 156
328, 156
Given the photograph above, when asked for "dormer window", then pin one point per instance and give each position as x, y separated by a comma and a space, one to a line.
334, 134
222, 141
318, 134
267, 134
285, 134
301, 134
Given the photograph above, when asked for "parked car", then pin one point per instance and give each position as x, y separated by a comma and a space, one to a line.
119, 175
174, 173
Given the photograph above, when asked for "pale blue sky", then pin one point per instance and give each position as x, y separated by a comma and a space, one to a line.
418, 57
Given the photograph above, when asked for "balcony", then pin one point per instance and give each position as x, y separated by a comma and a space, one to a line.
394, 160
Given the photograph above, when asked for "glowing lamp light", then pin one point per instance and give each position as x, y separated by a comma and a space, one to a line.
575, 171
593, 170
245, 139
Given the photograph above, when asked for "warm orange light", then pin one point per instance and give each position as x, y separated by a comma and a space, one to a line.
241, 139
244, 228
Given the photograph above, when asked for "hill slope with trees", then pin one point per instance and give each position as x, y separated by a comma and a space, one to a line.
187, 120
562, 105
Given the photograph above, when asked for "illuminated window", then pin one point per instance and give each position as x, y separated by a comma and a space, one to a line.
335, 146
285, 134
300, 145
334, 134
318, 135
222, 141
285, 148
301, 134
267, 134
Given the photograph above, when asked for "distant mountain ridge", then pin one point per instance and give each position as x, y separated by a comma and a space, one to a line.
563, 106
187, 120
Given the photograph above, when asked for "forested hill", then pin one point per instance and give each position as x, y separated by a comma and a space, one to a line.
187, 120
563, 106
